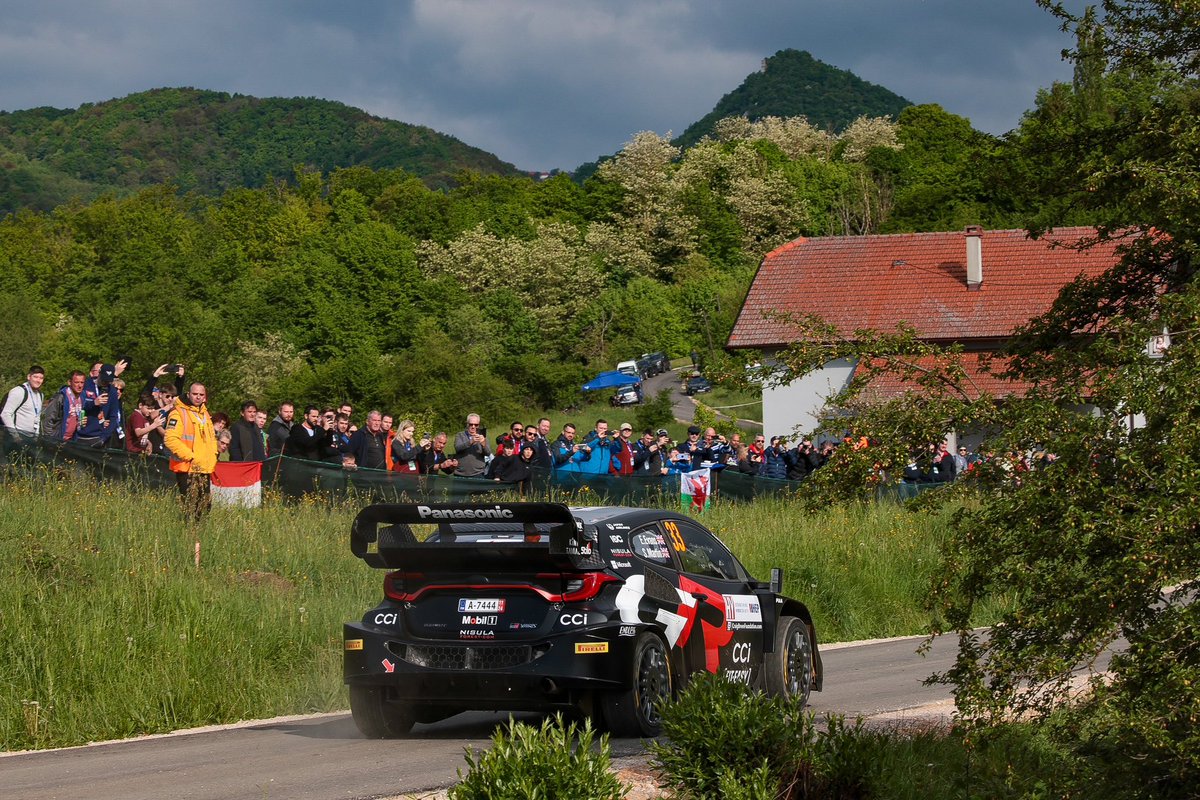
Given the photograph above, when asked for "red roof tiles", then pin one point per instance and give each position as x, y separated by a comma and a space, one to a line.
920, 278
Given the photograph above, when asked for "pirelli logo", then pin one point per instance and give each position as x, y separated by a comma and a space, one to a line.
354, 644
583, 648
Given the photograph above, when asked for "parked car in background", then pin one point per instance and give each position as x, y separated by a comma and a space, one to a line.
697, 384
659, 360
628, 395
543, 607
629, 368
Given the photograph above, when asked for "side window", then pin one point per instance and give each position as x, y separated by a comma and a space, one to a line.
651, 546
700, 553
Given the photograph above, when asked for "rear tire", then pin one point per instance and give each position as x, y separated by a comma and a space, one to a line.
790, 667
377, 717
634, 712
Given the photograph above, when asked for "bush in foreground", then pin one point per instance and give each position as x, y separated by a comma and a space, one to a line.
721, 741
556, 760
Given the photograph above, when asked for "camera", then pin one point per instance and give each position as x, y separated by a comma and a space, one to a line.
172, 368
482, 431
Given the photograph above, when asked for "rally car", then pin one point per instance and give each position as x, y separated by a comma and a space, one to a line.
541, 607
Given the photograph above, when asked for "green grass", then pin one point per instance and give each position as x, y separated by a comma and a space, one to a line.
107, 629
863, 571
585, 416
734, 402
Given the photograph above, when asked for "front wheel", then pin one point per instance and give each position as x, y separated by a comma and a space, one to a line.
634, 711
376, 716
790, 667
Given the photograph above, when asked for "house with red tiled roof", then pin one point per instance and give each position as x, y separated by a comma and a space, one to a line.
973, 288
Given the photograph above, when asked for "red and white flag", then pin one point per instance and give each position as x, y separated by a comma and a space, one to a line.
695, 488
237, 483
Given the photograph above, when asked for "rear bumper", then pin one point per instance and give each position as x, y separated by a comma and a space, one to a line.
491, 674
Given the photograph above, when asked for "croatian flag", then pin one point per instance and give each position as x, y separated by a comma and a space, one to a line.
695, 489
237, 483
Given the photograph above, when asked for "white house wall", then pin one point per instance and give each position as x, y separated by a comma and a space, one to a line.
797, 406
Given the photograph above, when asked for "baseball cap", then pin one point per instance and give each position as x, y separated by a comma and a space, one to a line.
661, 432
625, 426
693, 429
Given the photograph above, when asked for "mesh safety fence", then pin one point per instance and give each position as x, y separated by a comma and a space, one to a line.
293, 477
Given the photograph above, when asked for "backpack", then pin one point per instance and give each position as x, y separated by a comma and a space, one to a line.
52, 415
4, 405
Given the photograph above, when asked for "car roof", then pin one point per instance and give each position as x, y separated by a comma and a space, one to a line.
593, 515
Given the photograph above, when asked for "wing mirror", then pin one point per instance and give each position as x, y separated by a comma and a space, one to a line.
777, 580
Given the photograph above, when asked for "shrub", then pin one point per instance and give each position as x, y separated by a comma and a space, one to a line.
716, 727
556, 760
724, 741
656, 413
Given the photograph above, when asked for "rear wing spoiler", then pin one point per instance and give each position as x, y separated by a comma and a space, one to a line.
386, 546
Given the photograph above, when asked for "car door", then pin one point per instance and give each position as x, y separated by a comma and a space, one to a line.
725, 632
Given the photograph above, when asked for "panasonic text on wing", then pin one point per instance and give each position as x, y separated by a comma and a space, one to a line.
496, 512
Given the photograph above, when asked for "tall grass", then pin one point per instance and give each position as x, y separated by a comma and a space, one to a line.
863, 571
107, 629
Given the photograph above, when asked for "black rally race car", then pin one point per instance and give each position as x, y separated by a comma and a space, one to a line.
537, 606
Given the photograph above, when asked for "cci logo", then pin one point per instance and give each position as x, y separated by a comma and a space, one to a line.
573, 619
387, 619
741, 653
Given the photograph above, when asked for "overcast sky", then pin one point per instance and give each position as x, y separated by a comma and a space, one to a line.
540, 83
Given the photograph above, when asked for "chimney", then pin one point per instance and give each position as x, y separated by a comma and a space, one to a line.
974, 257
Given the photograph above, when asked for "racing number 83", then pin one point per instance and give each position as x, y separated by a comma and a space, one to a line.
676, 537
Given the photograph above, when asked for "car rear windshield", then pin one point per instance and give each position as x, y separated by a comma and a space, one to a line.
583, 548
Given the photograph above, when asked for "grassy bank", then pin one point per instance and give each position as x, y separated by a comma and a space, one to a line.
107, 629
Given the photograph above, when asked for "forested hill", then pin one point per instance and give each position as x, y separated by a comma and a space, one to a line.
794, 84
209, 142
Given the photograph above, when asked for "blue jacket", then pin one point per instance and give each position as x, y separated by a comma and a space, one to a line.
774, 464
95, 414
564, 455
599, 460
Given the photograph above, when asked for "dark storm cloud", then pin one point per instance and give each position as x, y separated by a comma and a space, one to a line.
541, 83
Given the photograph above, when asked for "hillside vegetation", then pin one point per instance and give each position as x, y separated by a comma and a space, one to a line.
366, 284
209, 142
792, 83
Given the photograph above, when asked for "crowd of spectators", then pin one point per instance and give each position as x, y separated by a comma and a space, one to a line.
88, 409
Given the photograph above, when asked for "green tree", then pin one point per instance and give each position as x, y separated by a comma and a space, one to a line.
1103, 545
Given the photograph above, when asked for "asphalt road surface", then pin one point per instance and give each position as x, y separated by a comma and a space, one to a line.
324, 758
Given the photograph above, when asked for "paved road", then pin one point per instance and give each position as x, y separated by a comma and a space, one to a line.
682, 407
323, 757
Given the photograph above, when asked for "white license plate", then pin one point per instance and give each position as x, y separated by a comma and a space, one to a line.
493, 605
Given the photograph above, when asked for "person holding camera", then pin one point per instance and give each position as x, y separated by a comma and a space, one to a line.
101, 406
433, 459
146, 426
471, 449
192, 443
599, 445
649, 458
566, 453
774, 463
623, 454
